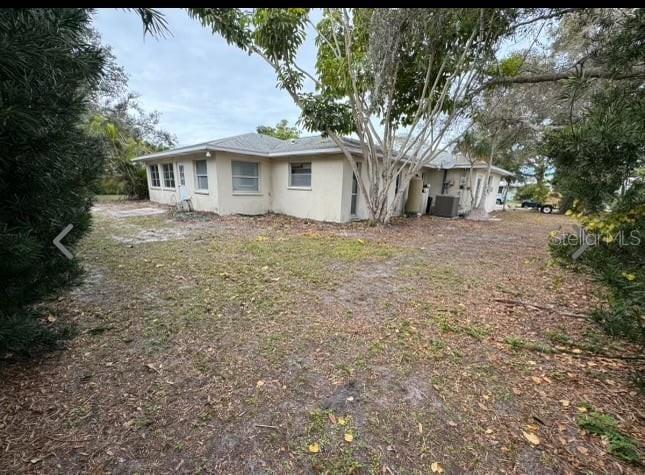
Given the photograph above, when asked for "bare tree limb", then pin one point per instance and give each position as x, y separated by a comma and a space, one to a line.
552, 77
547, 16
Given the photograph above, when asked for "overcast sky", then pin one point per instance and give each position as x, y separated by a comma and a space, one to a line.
203, 88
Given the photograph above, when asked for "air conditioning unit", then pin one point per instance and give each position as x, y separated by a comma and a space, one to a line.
446, 206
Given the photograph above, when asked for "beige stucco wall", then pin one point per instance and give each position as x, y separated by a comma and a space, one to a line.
465, 202
323, 201
201, 201
361, 208
251, 203
161, 194
456, 177
329, 198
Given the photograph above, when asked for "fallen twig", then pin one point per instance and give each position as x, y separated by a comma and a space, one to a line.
264, 426
76, 441
543, 307
600, 355
150, 366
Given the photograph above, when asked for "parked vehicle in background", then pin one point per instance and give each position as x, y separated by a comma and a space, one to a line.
544, 208
547, 206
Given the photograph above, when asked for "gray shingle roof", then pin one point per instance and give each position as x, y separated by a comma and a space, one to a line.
258, 144
264, 145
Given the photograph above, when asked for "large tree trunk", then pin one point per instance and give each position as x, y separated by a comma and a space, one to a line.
480, 213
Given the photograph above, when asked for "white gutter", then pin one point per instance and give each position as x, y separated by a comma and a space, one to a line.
307, 152
495, 169
175, 153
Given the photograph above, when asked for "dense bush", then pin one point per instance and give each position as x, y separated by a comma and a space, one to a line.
534, 192
50, 67
598, 154
110, 185
617, 260
130, 180
134, 179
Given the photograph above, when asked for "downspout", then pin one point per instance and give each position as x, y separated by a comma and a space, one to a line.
443, 182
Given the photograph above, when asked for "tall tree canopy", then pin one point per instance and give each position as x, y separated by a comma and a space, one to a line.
280, 131
127, 131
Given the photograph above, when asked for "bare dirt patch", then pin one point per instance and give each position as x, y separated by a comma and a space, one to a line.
232, 344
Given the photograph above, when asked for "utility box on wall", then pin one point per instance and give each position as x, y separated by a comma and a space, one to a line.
445, 206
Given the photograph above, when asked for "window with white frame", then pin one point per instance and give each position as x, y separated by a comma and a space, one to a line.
168, 175
246, 177
154, 176
300, 175
201, 175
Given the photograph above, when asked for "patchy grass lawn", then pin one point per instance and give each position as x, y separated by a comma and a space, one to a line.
272, 345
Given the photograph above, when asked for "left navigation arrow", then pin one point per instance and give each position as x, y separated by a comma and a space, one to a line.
58, 239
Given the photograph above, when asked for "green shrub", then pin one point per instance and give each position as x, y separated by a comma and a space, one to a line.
534, 192
110, 185
617, 260
24, 334
605, 426
134, 179
518, 344
49, 166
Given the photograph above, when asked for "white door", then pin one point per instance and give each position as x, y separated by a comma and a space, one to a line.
183, 191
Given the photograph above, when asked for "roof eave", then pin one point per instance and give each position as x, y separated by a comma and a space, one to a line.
174, 153
192, 150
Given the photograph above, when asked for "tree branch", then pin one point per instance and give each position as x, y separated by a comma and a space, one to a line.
547, 16
553, 77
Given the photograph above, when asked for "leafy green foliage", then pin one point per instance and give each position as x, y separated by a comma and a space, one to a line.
616, 259
595, 156
24, 334
597, 163
127, 132
279, 32
322, 113
332, 67
402, 67
534, 192
281, 130
399, 48
49, 164
233, 24
510, 66
605, 426
596, 145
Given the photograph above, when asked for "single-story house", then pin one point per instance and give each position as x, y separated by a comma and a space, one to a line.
307, 177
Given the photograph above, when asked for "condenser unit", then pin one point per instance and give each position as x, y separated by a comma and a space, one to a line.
445, 206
